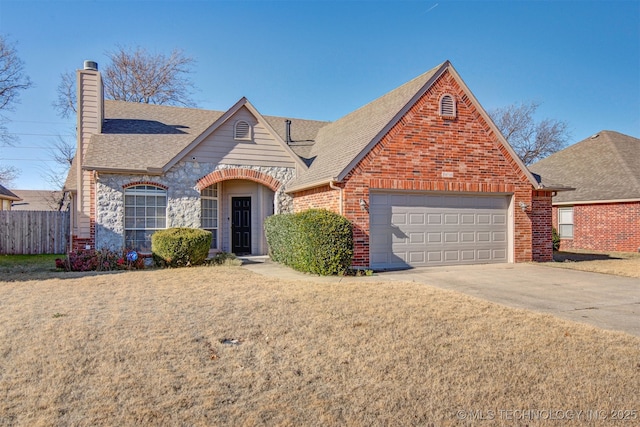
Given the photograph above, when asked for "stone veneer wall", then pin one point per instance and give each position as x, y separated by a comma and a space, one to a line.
183, 198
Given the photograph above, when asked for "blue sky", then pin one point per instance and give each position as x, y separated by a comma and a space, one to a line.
321, 59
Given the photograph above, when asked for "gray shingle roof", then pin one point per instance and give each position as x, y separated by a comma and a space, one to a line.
139, 137
39, 200
605, 166
339, 143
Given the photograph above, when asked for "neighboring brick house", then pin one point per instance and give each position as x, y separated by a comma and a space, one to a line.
7, 198
603, 213
421, 172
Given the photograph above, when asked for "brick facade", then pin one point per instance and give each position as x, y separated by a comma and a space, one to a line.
604, 227
416, 152
89, 242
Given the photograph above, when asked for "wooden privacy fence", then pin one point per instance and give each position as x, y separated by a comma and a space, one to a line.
33, 232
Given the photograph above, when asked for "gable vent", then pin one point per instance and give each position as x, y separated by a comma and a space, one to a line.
242, 130
447, 106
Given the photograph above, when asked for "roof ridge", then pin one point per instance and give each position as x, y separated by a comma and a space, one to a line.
389, 94
357, 129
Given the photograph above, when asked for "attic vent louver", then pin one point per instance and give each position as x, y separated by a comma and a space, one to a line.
447, 106
242, 130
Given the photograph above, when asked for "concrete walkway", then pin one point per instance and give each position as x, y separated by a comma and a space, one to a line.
602, 300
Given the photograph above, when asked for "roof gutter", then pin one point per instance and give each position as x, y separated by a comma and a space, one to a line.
332, 185
147, 171
310, 186
594, 202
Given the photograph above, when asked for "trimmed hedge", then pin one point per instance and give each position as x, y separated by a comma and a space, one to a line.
315, 241
181, 246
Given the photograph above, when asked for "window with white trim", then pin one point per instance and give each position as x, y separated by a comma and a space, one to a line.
145, 211
242, 130
565, 222
209, 214
447, 106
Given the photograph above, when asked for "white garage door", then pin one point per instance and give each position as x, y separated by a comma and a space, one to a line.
420, 230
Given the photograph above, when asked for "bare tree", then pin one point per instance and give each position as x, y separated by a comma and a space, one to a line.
531, 140
65, 104
137, 76
8, 174
62, 152
13, 80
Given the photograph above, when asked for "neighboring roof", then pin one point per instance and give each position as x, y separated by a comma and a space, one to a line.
603, 167
6, 194
38, 200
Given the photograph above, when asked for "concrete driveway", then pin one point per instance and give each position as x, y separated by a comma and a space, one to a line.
602, 300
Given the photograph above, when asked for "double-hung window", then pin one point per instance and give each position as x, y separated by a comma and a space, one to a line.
565, 222
145, 211
209, 214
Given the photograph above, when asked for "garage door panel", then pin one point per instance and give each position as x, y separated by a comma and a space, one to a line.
451, 218
499, 219
451, 237
416, 238
416, 219
483, 236
427, 229
434, 257
499, 236
378, 219
468, 237
451, 256
398, 218
500, 254
483, 219
467, 219
434, 237
416, 257
468, 255
434, 219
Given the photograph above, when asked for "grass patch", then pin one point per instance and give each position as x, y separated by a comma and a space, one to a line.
224, 346
617, 263
28, 263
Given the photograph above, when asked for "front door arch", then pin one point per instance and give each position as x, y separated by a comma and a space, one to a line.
238, 173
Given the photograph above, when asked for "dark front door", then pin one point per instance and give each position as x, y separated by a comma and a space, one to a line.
241, 225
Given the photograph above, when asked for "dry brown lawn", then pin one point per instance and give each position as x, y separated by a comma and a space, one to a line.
223, 346
617, 263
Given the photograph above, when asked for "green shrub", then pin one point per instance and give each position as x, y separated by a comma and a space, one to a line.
181, 246
315, 241
555, 237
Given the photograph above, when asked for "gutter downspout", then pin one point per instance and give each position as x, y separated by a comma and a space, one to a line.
332, 185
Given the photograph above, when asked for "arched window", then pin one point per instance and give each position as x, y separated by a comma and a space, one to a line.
209, 213
242, 130
145, 211
447, 106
